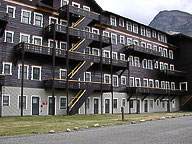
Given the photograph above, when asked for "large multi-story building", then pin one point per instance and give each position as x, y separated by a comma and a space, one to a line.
70, 56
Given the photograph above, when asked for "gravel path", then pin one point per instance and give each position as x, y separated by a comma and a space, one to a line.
169, 131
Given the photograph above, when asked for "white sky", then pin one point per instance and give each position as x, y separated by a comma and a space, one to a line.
143, 11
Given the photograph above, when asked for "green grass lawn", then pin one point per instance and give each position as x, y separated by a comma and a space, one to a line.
11, 126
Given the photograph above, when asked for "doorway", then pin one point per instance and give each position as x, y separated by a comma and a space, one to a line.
107, 106
138, 106
35, 105
96, 106
145, 105
50, 102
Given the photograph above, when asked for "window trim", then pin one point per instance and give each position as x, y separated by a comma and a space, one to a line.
122, 38
87, 8
124, 77
51, 17
150, 67
32, 73
135, 60
39, 37
131, 24
14, 10
60, 102
121, 54
143, 63
111, 20
122, 102
108, 75
171, 56
19, 101
106, 51
36, 13
147, 80
51, 40
8, 95
117, 103
116, 56
62, 42
12, 33
112, 34
75, 3
106, 33
24, 10
89, 77
117, 81
3, 70
19, 67
60, 70
62, 2
23, 34
139, 82
133, 81
95, 30
158, 84
174, 85
151, 80
120, 23
96, 50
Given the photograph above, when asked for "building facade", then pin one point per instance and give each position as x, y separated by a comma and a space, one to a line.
64, 57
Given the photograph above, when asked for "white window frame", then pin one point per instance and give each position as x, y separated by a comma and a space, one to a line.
51, 40
3, 70
151, 80
5, 39
143, 30
163, 84
60, 102
62, 2
60, 70
96, 49
129, 41
32, 73
148, 33
171, 54
143, 44
122, 21
136, 42
62, 42
107, 33
151, 100
106, 51
165, 54
19, 70
156, 81
114, 53
86, 8
27, 35
117, 103
173, 84
19, 101
185, 84
143, 63
8, 95
133, 79
95, 29
131, 24
173, 103
156, 65
172, 67
50, 17
14, 9
136, 59
122, 39
145, 79
24, 10
132, 60
35, 13
162, 67
150, 66
135, 28
161, 51
154, 34
122, 56
61, 20
39, 37
108, 75
149, 46
136, 82
166, 66
123, 99
112, 34
90, 78
117, 80
113, 20
74, 3
123, 77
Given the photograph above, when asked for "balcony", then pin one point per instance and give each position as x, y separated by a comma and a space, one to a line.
3, 22
156, 91
74, 84
141, 50
73, 32
61, 53
2, 79
175, 73
78, 11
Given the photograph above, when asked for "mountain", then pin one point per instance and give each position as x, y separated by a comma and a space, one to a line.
173, 21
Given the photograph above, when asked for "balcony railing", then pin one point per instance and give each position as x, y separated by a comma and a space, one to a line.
2, 79
173, 72
76, 32
45, 50
157, 91
142, 50
74, 84
3, 16
78, 11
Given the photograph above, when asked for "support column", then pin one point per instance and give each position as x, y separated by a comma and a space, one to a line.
22, 78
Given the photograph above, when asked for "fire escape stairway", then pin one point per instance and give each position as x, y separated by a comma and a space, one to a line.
81, 44
187, 102
80, 69
82, 22
78, 100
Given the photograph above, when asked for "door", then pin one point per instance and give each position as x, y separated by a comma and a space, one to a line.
96, 106
138, 106
35, 105
51, 106
107, 104
145, 105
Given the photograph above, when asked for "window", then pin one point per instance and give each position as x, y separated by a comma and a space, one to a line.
123, 80
170, 54
86, 8
150, 64
144, 63
143, 44
173, 85
37, 40
114, 103
154, 34
63, 45
26, 16
11, 11
87, 50
106, 34
106, 54
167, 86
113, 38
123, 102
135, 28
163, 104
156, 83
166, 66
114, 55
142, 31
158, 102
6, 100
7, 68
36, 73
173, 103
122, 56
165, 52
156, 65
131, 81
76, 4
26, 72
115, 81
24, 102
151, 103
137, 82
95, 31
131, 62
149, 46
9, 36
63, 74
87, 76
95, 51
121, 22
161, 66
53, 20
151, 83
137, 63
24, 38
63, 102
131, 103
38, 19
162, 84
129, 26
145, 82
148, 33
107, 78
113, 20
63, 22
172, 67
161, 51
154, 47
122, 39
135, 42
129, 41
51, 43
64, 2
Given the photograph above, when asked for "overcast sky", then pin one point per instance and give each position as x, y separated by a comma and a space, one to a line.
144, 11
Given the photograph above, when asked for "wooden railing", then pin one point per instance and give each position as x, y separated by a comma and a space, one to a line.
173, 72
